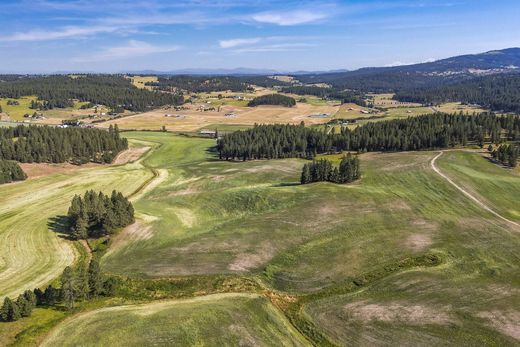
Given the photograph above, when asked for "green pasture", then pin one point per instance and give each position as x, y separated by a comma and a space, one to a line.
215, 320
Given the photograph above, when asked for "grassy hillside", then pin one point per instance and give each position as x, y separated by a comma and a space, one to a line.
31, 254
215, 320
347, 259
212, 217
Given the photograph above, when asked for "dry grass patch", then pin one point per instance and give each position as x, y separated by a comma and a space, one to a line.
394, 312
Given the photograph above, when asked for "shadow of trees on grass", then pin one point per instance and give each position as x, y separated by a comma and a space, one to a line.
60, 225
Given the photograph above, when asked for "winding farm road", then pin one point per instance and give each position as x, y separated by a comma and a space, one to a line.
468, 194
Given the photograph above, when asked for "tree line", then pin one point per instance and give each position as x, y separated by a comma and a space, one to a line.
97, 214
83, 283
413, 133
507, 154
272, 99
497, 92
45, 144
345, 96
199, 84
323, 170
10, 171
113, 91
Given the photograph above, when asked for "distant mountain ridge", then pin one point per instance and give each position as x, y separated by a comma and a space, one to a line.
438, 72
241, 71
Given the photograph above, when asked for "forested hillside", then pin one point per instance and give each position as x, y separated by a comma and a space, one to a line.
414, 133
113, 91
198, 84
497, 92
431, 74
43, 144
328, 93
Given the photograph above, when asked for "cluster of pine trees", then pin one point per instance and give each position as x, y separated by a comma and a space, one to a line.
10, 171
507, 154
81, 284
272, 99
97, 214
328, 93
49, 105
113, 91
199, 84
414, 133
12, 310
323, 170
497, 92
44, 144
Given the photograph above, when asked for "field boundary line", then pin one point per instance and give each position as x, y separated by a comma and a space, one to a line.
468, 194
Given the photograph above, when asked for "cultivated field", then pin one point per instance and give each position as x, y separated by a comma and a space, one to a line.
214, 320
140, 81
31, 253
200, 218
212, 217
193, 119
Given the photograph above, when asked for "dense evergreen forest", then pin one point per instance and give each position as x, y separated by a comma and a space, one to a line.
97, 214
45, 144
272, 99
328, 93
113, 91
414, 133
323, 170
497, 92
507, 154
10, 171
83, 283
264, 81
199, 84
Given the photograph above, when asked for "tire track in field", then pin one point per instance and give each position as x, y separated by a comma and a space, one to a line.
468, 194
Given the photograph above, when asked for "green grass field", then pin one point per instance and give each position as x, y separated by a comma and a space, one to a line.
337, 250
212, 217
215, 320
31, 254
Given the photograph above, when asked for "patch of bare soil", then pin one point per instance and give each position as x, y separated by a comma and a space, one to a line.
248, 261
130, 155
397, 312
34, 170
507, 323
419, 242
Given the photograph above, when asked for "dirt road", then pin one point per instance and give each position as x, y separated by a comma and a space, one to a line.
469, 195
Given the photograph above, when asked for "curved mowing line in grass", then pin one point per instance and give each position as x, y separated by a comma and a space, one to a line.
32, 255
218, 320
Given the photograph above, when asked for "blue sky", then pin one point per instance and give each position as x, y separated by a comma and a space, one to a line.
119, 35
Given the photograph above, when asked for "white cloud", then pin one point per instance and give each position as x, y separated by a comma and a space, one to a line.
289, 18
131, 49
66, 32
284, 47
239, 42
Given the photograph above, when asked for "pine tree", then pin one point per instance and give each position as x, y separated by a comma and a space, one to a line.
24, 306
95, 278
10, 311
68, 287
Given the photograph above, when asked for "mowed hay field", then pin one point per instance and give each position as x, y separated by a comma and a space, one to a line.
252, 218
31, 253
191, 120
214, 320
